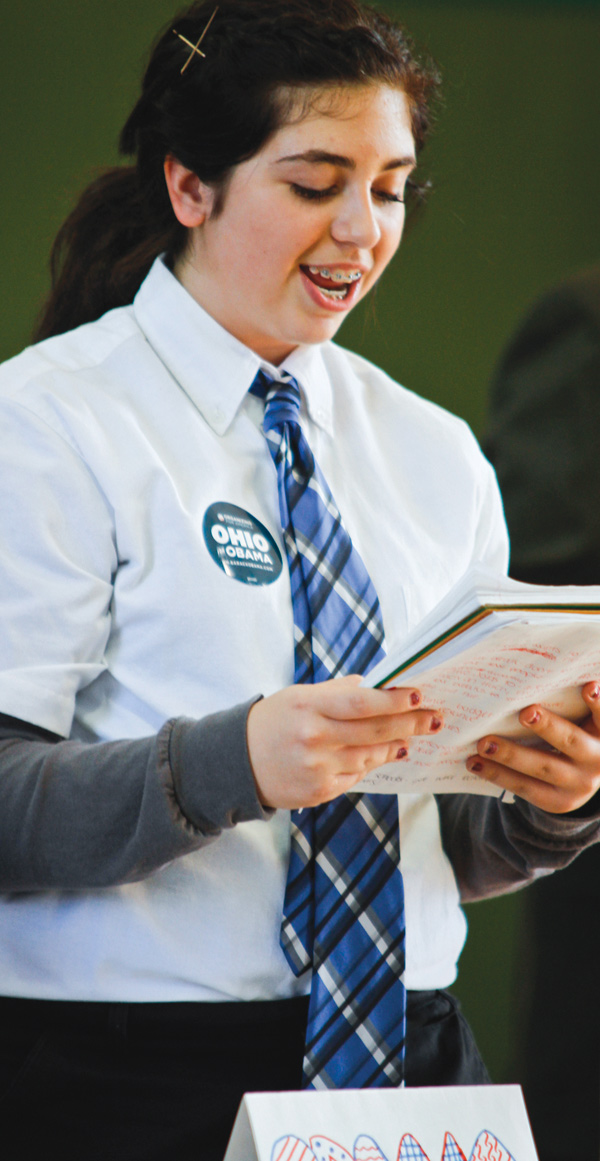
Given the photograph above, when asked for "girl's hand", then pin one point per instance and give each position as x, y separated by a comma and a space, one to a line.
310, 743
557, 781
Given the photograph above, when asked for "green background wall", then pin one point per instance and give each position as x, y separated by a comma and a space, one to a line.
517, 176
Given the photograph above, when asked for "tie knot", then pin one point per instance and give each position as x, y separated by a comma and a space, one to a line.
282, 400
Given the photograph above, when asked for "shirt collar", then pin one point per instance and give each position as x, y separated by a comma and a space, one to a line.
213, 367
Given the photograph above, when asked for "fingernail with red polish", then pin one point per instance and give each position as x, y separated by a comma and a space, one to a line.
476, 767
533, 717
415, 698
402, 752
435, 724
595, 692
491, 747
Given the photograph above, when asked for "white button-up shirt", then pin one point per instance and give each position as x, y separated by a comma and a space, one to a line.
117, 438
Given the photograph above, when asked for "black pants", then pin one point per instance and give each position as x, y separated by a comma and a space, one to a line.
559, 1063
151, 1082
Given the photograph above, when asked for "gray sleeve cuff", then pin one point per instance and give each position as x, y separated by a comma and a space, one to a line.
213, 781
495, 847
567, 833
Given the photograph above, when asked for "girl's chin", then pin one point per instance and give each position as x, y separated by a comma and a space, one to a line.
318, 330
302, 326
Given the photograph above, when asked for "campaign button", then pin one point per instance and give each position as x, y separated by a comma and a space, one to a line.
241, 545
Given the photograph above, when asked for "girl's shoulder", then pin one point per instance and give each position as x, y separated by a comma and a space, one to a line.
75, 352
384, 397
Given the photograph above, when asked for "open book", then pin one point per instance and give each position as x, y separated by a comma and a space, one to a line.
491, 647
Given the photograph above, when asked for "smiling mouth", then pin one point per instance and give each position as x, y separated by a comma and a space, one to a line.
333, 284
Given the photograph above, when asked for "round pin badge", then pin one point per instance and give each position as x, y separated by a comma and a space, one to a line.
241, 545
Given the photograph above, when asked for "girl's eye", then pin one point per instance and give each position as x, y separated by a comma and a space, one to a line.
384, 196
315, 195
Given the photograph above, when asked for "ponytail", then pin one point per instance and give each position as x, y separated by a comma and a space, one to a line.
103, 251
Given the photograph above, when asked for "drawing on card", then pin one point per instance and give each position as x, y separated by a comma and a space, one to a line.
452, 1150
291, 1149
326, 1150
410, 1150
366, 1149
487, 1147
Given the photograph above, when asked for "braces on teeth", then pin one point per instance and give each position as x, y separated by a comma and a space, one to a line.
337, 275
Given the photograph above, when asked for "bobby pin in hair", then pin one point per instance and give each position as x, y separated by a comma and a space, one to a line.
195, 47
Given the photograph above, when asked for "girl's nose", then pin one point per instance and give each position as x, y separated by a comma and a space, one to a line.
356, 223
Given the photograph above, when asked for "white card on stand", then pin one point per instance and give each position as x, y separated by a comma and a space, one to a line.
470, 1123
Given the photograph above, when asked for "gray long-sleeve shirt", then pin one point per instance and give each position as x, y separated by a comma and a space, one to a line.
75, 815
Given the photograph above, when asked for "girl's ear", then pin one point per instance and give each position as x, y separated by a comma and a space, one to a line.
192, 201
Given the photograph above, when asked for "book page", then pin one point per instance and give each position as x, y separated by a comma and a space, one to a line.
480, 589
481, 692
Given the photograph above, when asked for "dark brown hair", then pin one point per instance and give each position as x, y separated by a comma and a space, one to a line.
219, 112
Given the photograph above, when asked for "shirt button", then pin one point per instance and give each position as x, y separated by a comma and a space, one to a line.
217, 415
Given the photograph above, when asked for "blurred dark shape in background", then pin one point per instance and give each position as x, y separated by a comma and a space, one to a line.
543, 439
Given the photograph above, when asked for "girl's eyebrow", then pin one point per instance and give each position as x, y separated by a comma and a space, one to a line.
322, 157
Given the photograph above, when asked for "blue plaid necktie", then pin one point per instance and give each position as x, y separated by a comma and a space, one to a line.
344, 904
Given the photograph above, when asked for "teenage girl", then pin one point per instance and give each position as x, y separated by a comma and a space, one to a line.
154, 739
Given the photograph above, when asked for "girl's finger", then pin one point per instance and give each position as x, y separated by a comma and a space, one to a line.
591, 696
356, 761
345, 700
565, 736
374, 731
542, 765
556, 799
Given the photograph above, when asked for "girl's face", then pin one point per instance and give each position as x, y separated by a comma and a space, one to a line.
308, 224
